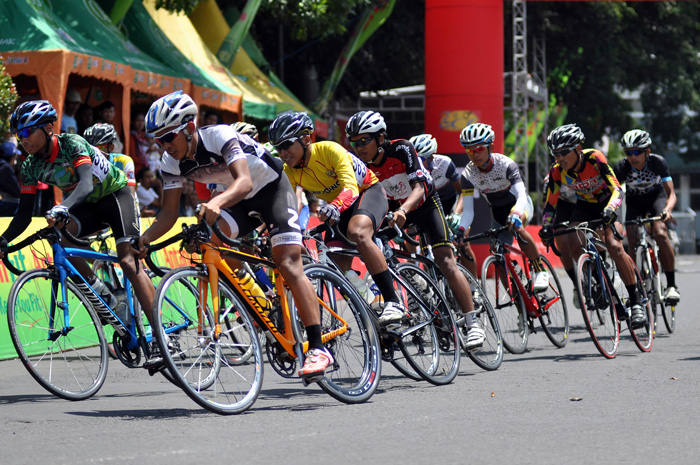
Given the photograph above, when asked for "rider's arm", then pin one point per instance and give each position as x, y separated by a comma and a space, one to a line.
167, 216
459, 206
671, 193
345, 173
22, 218
468, 213
240, 187
550, 203
611, 182
84, 187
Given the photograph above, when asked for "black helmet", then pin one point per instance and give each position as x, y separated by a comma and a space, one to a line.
290, 125
100, 134
565, 137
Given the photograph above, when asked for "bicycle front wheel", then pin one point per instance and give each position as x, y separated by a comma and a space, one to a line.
68, 360
598, 308
642, 336
508, 305
490, 355
429, 342
208, 368
354, 376
555, 317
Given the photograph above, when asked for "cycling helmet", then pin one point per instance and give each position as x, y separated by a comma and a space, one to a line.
248, 129
425, 144
477, 134
32, 114
637, 139
170, 112
290, 125
567, 136
365, 122
100, 134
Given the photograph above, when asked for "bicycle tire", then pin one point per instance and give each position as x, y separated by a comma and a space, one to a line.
490, 355
555, 315
668, 311
599, 313
429, 342
198, 362
354, 376
649, 279
73, 366
510, 309
643, 336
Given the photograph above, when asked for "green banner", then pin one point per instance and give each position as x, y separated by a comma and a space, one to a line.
229, 48
369, 23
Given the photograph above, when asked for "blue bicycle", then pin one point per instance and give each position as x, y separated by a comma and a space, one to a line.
55, 319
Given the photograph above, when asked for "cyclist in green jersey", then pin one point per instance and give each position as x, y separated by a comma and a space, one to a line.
102, 136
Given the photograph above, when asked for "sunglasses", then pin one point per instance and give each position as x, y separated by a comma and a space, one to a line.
284, 145
635, 152
562, 153
361, 142
25, 132
170, 136
475, 150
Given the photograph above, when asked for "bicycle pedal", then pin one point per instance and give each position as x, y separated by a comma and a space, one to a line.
306, 380
152, 371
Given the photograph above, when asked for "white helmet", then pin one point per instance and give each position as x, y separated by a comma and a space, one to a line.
425, 144
242, 127
636, 139
477, 134
170, 112
365, 122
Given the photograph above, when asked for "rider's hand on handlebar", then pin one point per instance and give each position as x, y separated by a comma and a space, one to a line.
208, 211
330, 213
58, 216
609, 216
459, 235
399, 218
514, 221
139, 246
547, 235
666, 216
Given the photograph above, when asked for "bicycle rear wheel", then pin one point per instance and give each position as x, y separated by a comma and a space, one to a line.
555, 316
429, 341
68, 361
643, 336
354, 376
201, 363
509, 308
598, 310
490, 355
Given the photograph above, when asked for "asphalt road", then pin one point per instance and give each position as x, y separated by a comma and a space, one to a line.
547, 406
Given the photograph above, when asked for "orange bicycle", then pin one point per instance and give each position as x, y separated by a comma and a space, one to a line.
216, 353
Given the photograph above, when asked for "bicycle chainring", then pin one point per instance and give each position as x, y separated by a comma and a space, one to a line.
130, 358
280, 360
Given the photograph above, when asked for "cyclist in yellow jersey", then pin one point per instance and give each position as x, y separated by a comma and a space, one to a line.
355, 198
102, 136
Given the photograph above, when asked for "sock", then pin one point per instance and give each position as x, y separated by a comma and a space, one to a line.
670, 278
632, 291
313, 332
385, 284
537, 265
572, 276
470, 319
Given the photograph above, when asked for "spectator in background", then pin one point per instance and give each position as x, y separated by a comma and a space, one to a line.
211, 118
149, 192
9, 185
68, 123
142, 147
188, 198
106, 114
84, 117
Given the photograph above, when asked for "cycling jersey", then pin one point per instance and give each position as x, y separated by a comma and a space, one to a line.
648, 180
400, 168
126, 164
218, 147
332, 174
501, 185
595, 183
443, 171
68, 151
565, 193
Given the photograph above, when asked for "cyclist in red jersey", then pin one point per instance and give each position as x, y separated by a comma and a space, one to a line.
598, 192
413, 199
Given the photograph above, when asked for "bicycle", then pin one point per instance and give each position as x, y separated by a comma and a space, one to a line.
646, 254
217, 358
509, 286
425, 346
490, 355
602, 295
55, 320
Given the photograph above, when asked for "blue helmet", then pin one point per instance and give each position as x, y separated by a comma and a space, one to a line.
32, 114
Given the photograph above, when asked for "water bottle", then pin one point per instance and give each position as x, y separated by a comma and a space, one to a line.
520, 273
374, 296
106, 317
617, 283
248, 283
422, 286
359, 284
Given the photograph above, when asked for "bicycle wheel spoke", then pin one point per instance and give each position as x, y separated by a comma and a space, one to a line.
555, 317
597, 308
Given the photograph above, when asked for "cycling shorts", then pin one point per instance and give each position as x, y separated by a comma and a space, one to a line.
276, 203
430, 219
586, 211
563, 211
448, 201
641, 205
372, 203
117, 210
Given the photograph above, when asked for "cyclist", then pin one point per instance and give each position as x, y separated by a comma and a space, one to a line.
413, 199
498, 179
446, 178
99, 196
248, 129
254, 182
102, 136
354, 197
649, 191
598, 194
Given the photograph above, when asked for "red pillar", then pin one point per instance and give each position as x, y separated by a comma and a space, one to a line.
463, 69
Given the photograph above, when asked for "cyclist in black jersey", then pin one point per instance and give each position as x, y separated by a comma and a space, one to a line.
253, 181
649, 191
412, 198
99, 196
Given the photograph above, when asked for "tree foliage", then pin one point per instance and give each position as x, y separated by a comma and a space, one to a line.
8, 97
